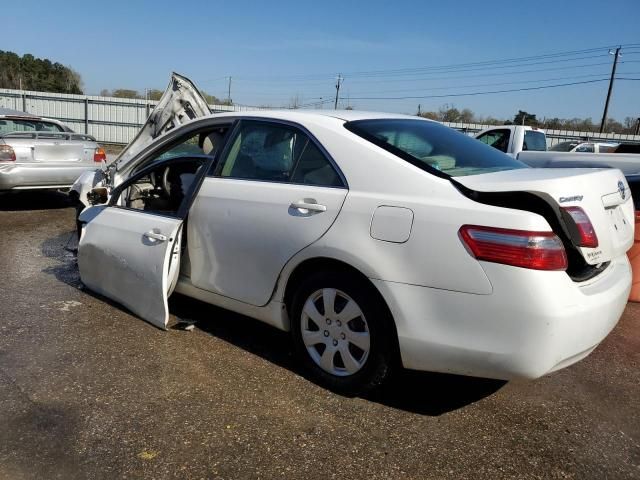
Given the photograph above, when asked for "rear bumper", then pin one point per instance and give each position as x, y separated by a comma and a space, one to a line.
21, 175
532, 324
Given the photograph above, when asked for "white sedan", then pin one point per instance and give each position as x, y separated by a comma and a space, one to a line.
375, 239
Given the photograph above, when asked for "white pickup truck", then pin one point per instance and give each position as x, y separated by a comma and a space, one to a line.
529, 145
513, 139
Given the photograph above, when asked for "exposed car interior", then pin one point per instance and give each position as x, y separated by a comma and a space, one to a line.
164, 188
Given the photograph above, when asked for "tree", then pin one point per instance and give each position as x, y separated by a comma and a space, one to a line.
522, 118
430, 115
31, 73
213, 100
466, 116
125, 93
154, 94
105, 93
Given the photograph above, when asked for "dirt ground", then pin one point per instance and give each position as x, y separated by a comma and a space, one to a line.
90, 391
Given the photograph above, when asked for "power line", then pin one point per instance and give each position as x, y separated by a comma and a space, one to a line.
470, 94
450, 67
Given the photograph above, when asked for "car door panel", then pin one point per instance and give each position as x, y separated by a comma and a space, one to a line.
126, 255
242, 232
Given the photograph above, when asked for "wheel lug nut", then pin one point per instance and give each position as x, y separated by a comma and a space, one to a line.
326, 333
339, 323
343, 336
335, 343
328, 321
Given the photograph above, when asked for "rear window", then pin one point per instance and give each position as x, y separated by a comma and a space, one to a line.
8, 125
534, 140
434, 147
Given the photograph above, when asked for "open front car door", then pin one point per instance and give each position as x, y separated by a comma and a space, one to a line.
129, 250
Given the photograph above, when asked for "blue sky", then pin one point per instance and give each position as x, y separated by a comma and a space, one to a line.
276, 50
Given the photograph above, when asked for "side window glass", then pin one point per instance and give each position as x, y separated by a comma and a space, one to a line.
263, 151
587, 147
313, 168
497, 139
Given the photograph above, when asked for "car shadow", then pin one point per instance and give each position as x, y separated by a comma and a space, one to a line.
61, 248
33, 200
424, 393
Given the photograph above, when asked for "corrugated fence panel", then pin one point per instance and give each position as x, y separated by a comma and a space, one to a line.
117, 120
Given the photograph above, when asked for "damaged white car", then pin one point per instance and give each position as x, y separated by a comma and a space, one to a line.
376, 239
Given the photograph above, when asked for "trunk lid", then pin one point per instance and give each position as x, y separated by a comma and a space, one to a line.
603, 194
51, 147
180, 103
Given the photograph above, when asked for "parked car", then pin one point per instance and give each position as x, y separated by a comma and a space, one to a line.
628, 148
513, 139
584, 147
39, 152
375, 239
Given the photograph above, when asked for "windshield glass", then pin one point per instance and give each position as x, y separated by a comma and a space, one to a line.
534, 140
434, 147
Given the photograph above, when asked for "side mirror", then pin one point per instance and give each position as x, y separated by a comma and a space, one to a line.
98, 196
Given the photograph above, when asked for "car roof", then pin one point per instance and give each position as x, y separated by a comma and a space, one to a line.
8, 112
301, 115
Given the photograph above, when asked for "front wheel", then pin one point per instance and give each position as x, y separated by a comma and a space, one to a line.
342, 332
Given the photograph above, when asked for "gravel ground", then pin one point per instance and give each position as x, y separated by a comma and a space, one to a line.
90, 391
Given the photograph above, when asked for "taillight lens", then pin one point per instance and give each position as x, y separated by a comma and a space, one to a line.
588, 237
7, 154
520, 248
99, 155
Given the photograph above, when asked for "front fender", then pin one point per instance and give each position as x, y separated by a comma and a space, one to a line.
85, 183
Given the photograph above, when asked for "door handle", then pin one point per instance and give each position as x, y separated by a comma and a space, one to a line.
310, 206
156, 236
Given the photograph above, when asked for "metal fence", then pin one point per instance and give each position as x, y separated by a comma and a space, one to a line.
108, 119
117, 120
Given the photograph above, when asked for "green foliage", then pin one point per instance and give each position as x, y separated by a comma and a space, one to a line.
525, 118
37, 74
155, 94
125, 93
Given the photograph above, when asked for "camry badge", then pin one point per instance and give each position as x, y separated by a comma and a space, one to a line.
575, 198
621, 189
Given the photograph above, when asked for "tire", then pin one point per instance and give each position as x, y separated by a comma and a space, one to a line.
335, 352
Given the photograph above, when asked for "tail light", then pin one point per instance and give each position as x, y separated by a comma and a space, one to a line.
520, 248
588, 237
99, 155
7, 154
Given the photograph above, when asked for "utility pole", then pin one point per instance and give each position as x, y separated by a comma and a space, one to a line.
338, 83
419, 110
637, 127
613, 74
229, 91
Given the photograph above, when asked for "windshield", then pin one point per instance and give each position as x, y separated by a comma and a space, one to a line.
434, 147
534, 140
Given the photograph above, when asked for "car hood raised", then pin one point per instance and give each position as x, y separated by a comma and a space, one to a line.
180, 103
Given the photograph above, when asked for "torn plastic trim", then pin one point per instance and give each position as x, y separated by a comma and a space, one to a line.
559, 220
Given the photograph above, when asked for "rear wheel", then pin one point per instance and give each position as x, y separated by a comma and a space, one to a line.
342, 332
